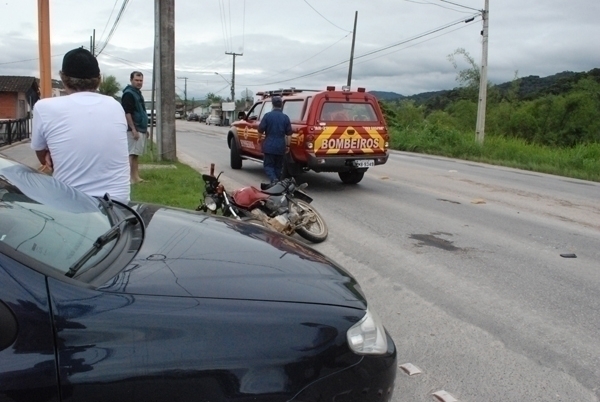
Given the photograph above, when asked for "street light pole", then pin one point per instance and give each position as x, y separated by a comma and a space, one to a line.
233, 74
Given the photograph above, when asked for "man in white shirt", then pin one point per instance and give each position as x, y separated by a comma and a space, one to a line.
83, 136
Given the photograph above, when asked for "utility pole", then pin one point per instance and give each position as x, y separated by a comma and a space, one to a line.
166, 54
44, 48
184, 95
352, 50
155, 106
93, 43
233, 74
481, 106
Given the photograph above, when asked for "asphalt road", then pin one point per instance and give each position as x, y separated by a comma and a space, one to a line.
463, 263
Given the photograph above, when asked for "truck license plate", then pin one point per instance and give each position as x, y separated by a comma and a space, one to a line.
364, 163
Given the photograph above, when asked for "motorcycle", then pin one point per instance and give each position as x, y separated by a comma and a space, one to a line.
283, 207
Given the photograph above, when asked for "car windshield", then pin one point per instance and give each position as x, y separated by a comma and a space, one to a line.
48, 220
345, 111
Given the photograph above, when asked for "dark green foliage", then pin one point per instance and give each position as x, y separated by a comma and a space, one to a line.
581, 161
556, 132
563, 114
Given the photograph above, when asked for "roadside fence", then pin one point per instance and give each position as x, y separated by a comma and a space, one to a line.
14, 130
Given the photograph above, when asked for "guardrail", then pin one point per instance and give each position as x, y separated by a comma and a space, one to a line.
14, 130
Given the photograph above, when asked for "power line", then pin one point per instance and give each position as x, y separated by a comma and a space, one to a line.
23, 61
434, 4
129, 62
337, 67
114, 27
322, 16
418, 43
416, 37
230, 32
313, 56
109, 17
430, 32
244, 28
223, 24
460, 5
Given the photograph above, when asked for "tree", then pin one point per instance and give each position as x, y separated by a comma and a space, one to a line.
469, 77
109, 86
212, 98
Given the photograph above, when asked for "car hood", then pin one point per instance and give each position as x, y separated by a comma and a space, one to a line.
189, 254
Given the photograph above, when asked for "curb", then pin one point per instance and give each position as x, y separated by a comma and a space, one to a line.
14, 144
205, 168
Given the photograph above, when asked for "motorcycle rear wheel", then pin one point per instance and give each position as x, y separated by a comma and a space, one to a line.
316, 230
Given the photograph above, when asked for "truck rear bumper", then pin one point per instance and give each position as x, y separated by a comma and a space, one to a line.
344, 163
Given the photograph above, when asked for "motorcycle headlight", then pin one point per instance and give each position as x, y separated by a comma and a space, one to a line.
210, 203
367, 337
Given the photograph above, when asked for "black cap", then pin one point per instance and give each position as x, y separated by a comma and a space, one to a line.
277, 101
80, 63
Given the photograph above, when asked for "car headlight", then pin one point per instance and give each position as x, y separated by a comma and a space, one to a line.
367, 337
210, 203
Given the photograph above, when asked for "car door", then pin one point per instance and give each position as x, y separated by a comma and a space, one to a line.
27, 350
248, 131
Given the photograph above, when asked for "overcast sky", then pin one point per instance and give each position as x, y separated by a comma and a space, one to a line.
306, 43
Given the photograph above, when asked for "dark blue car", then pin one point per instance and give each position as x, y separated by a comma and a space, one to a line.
101, 301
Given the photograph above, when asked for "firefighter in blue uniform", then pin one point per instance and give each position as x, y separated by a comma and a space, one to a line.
275, 129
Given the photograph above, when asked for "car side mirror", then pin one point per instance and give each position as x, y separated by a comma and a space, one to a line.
241, 116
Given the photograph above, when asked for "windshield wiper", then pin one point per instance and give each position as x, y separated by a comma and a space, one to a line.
107, 203
100, 242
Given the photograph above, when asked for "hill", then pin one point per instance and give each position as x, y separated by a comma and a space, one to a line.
386, 96
529, 87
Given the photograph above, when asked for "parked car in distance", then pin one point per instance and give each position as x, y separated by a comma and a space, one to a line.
108, 301
178, 115
151, 116
202, 118
192, 117
213, 119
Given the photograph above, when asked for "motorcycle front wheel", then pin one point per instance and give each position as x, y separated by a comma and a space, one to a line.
315, 230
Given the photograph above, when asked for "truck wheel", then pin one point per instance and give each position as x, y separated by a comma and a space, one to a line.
235, 158
351, 177
288, 170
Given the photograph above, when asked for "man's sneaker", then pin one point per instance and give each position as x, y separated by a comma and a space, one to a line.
264, 186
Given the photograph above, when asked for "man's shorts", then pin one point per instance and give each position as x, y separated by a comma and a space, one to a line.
136, 147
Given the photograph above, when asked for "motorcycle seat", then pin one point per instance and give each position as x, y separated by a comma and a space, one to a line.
275, 189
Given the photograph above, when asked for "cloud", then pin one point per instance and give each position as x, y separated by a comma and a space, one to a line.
290, 44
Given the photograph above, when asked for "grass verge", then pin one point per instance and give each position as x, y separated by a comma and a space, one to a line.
580, 162
179, 187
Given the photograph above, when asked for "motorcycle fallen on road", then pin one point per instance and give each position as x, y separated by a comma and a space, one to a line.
283, 207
